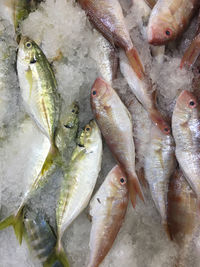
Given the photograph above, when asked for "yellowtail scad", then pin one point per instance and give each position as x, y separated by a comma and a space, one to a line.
79, 180
65, 136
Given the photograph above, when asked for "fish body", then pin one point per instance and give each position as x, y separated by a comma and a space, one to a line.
159, 166
185, 127
80, 178
107, 16
105, 56
142, 89
115, 123
169, 18
107, 209
38, 87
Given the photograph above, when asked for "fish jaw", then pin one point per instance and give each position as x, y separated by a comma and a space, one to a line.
108, 209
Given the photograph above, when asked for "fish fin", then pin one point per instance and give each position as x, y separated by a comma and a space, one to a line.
135, 62
134, 190
46, 170
158, 120
150, 3
141, 177
57, 256
16, 221
191, 54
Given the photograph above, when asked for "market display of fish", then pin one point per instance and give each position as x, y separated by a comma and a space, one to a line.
107, 209
64, 168
169, 19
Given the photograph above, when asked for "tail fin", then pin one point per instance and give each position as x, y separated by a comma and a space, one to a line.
135, 62
150, 3
16, 221
191, 54
57, 259
134, 190
47, 168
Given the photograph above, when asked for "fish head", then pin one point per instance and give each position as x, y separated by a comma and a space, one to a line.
118, 180
100, 93
29, 52
89, 134
187, 101
160, 30
70, 119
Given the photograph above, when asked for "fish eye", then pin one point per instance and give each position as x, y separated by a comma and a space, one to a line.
94, 92
192, 104
28, 44
87, 129
73, 110
166, 130
122, 180
168, 32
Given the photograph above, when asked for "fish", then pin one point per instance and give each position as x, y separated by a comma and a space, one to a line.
183, 216
159, 165
107, 17
193, 51
65, 136
115, 123
42, 240
107, 209
79, 180
105, 56
38, 88
143, 90
185, 128
169, 18
20, 10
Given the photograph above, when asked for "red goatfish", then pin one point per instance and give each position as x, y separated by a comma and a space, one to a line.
186, 132
169, 18
115, 123
107, 16
107, 208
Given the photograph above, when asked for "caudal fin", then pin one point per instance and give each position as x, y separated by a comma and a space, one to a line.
16, 221
57, 259
150, 3
134, 190
191, 54
135, 62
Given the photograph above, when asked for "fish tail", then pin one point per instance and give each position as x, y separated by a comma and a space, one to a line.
135, 62
134, 190
191, 54
57, 258
158, 120
16, 221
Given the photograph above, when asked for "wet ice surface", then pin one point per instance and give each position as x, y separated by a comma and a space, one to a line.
63, 31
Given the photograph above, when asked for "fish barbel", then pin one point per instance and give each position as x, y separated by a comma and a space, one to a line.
159, 166
169, 18
107, 209
116, 126
80, 178
186, 132
107, 16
